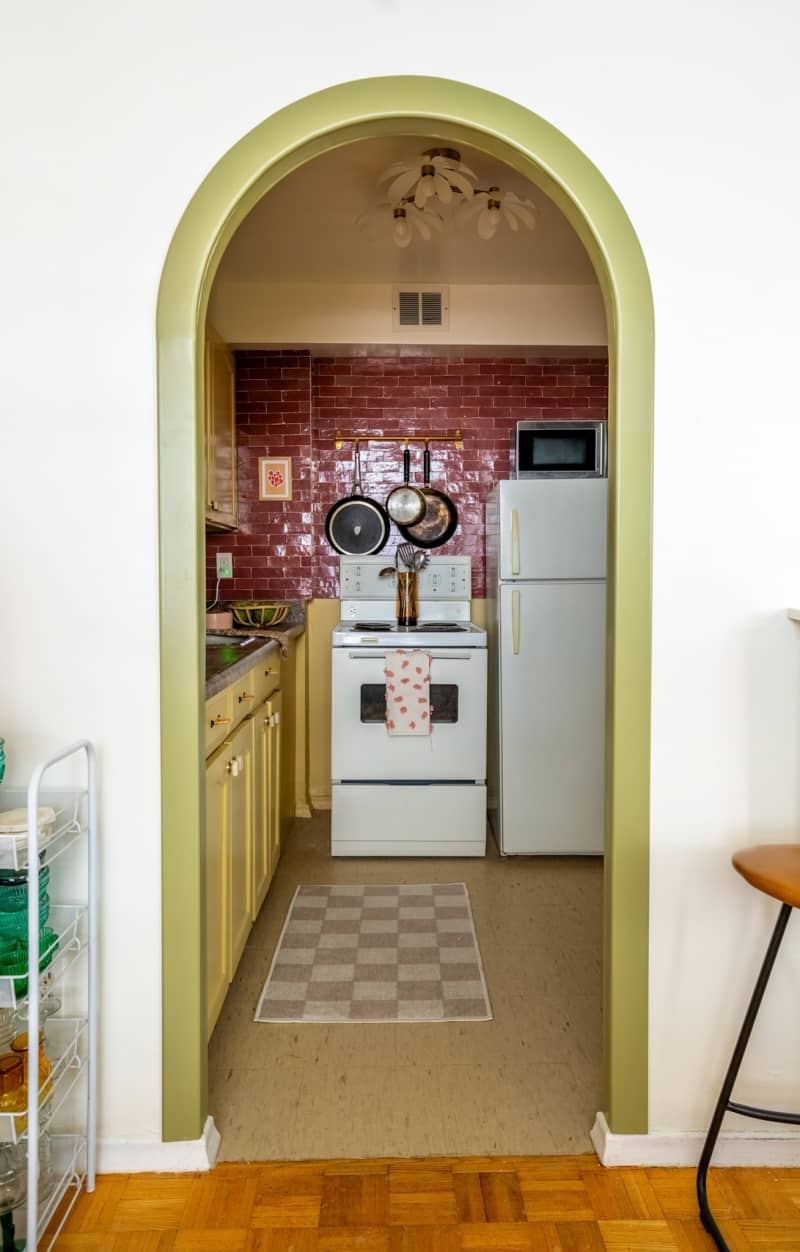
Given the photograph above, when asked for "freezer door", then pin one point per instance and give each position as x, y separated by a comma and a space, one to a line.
552, 718
553, 528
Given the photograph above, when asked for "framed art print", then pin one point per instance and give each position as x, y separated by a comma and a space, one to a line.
274, 478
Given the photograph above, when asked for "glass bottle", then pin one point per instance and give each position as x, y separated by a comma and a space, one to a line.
13, 1176
7, 1030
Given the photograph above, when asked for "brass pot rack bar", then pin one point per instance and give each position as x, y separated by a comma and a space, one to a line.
457, 440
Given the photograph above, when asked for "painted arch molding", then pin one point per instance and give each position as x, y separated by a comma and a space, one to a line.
432, 108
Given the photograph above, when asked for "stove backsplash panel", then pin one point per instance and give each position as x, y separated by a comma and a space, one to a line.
292, 404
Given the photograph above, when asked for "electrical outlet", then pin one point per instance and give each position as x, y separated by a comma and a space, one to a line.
224, 565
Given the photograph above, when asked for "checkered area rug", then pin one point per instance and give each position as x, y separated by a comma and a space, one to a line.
377, 954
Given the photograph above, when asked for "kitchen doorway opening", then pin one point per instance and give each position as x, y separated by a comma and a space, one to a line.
261, 160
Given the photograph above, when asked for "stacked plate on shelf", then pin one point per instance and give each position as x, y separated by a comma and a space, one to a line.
14, 834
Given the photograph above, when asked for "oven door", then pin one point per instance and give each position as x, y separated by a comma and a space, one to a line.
363, 750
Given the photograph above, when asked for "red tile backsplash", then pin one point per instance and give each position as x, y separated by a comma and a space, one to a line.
292, 404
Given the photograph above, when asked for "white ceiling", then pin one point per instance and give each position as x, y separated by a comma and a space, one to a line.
305, 230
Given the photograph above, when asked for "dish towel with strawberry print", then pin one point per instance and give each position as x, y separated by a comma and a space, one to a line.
408, 692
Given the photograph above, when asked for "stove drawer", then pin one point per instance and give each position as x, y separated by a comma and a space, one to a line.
363, 750
427, 820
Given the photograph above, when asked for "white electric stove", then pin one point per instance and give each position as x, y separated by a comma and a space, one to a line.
409, 796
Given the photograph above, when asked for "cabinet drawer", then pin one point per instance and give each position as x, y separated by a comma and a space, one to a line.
244, 694
219, 719
267, 676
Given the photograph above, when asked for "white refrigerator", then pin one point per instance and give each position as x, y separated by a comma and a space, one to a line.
546, 584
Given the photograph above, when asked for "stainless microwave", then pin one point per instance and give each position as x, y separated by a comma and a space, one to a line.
560, 450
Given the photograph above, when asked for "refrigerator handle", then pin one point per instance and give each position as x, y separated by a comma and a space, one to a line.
515, 621
514, 541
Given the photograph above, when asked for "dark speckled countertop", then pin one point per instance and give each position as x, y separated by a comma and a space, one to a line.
227, 658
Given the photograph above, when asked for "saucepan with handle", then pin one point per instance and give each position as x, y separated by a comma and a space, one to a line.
406, 504
439, 521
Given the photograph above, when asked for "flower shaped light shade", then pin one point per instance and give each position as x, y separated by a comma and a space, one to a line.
405, 220
436, 174
494, 206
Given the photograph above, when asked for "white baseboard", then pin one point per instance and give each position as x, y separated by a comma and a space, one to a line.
733, 1148
136, 1156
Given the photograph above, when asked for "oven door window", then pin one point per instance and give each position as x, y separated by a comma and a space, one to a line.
444, 703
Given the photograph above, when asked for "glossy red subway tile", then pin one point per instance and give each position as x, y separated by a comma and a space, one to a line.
292, 404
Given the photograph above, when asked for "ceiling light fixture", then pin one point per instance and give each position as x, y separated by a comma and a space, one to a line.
438, 172
493, 206
418, 190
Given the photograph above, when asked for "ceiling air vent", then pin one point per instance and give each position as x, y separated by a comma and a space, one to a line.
421, 306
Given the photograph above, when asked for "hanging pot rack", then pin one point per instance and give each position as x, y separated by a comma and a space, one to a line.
457, 439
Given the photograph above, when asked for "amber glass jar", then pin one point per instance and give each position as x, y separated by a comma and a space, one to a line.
13, 1099
20, 1046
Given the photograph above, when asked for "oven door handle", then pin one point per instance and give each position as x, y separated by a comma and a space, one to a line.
464, 655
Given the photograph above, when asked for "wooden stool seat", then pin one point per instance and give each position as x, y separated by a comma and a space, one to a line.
773, 868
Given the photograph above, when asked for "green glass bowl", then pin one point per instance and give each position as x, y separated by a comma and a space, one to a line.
16, 924
14, 896
14, 961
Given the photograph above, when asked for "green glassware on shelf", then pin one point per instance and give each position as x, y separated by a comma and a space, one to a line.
2, 758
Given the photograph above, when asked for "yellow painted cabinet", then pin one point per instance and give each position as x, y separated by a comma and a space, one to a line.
218, 798
240, 844
273, 707
221, 497
266, 797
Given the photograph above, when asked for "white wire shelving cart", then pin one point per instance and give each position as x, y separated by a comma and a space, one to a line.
65, 1105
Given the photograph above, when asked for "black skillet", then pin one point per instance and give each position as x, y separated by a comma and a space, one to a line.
440, 518
356, 525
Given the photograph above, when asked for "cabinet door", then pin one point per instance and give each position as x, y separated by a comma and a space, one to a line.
221, 503
262, 740
240, 843
218, 797
273, 707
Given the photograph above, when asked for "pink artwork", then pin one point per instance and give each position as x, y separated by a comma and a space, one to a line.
275, 478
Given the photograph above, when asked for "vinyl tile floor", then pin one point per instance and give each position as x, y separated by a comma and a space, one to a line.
528, 1082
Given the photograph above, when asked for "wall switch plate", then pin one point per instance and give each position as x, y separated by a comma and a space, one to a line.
224, 565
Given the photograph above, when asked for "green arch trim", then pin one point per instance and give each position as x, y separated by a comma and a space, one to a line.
325, 120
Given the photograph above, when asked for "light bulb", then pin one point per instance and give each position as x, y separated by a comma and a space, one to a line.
426, 187
401, 232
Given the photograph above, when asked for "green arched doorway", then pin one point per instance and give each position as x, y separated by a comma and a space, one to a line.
325, 120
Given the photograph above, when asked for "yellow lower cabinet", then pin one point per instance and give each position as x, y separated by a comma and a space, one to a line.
266, 827
262, 740
240, 842
218, 798
273, 712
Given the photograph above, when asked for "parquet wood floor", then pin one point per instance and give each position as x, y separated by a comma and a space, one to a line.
470, 1204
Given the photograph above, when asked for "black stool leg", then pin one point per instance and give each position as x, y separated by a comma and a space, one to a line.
723, 1103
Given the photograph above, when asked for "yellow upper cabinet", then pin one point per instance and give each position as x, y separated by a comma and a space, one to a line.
221, 502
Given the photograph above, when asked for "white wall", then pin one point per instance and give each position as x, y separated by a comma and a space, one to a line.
498, 313
115, 113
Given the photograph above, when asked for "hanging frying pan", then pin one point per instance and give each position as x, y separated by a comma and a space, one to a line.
440, 519
356, 525
405, 504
